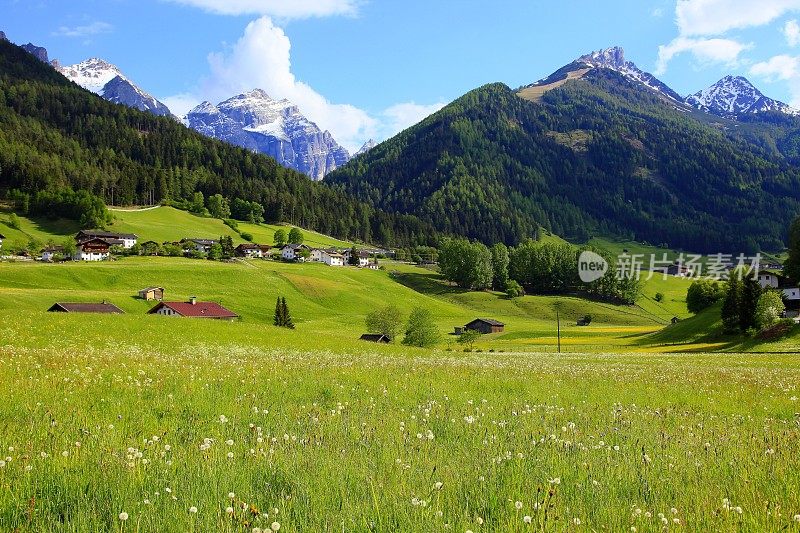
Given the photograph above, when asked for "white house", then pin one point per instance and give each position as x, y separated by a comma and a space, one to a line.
332, 258
126, 240
249, 250
769, 279
1, 239
316, 255
51, 251
92, 250
292, 252
200, 245
363, 257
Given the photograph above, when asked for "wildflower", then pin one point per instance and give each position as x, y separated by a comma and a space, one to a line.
256, 530
275, 526
555, 481
576, 521
230, 455
193, 509
123, 516
231, 495
229, 510
739, 510
2, 463
479, 520
797, 518
229, 442
518, 505
438, 485
65, 453
527, 519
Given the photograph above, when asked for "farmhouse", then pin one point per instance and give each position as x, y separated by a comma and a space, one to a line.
293, 252
126, 240
95, 249
199, 245
376, 337
485, 325
193, 309
790, 291
332, 258
363, 257
152, 293
103, 307
251, 250
51, 251
2, 238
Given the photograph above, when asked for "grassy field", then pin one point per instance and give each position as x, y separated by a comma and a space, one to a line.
191, 425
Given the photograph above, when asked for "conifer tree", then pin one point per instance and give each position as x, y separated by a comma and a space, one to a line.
287, 318
730, 308
751, 292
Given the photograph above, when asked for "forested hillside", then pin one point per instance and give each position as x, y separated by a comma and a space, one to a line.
598, 155
56, 137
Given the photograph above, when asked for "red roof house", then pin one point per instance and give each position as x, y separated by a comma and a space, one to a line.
193, 309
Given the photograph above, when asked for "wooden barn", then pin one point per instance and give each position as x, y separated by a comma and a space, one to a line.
485, 326
376, 337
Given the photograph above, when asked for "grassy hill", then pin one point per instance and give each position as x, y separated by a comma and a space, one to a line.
158, 224
329, 305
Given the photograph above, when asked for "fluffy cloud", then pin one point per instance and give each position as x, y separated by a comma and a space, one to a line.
716, 17
285, 9
791, 30
781, 68
401, 116
717, 50
703, 23
95, 28
261, 59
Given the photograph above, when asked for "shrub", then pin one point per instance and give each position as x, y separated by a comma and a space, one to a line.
420, 329
247, 236
659, 297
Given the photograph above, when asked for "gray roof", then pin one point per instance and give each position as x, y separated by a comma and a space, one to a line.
489, 321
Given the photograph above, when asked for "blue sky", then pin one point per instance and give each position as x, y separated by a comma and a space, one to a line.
368, 68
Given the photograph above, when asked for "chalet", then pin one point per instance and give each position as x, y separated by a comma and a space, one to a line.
332, 258
485, 325
293, 252
152, 293
126, 240
376, 337
198, 245
193, 309
316, 255
769, 280
95, 249
51, 251
250, 250
103, 307
363, 257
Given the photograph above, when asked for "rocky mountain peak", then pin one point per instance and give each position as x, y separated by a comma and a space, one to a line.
735, 95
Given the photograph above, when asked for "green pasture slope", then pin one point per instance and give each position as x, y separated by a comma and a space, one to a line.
158, 224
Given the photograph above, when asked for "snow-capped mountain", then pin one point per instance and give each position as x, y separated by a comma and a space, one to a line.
366, 147
277, 128
614, 58
105, 79
735, 95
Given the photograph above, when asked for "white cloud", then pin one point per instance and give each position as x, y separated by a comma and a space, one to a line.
781, 68
791, 30
261, 59
702, 24
401, 116
716, 50
285, 9
716, 17
95, 28
180, 104
657, 13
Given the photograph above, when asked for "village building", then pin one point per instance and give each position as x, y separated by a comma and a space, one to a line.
331, 258
95, 249
126, 240
198, 245
2, 238
51, 252
103, 307
485, 326
363, 257
194, 309
789, 291
152, 293
293, 252
376, 337
250, 250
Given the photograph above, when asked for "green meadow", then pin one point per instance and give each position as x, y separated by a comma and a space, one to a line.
147, 423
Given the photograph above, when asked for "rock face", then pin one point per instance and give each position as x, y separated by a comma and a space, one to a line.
108, 81
257, 122
369, 145
3, 36
735, 95
614, 58
39, 52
